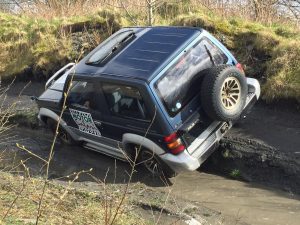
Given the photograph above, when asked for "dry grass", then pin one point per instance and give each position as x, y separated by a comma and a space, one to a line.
78, 207
283, 72
40, 46
269, 53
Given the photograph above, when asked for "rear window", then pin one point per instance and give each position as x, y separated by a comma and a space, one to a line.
181, 82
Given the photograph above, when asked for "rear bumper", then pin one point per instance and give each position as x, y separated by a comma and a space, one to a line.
188, 160
208, 141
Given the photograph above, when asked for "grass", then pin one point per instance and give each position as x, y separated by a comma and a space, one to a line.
43, 46
78, 207
39, 46
235, 174
269, 53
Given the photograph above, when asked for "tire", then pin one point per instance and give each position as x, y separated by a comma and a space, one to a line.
223, 93
64, 137
154, 164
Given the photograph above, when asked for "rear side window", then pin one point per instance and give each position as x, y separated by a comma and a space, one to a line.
125, 101
181, 82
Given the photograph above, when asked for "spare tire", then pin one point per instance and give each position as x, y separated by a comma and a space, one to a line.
223, 93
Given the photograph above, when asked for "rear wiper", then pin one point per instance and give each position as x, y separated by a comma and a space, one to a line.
210, 56
125, 39
109, 51
118, 45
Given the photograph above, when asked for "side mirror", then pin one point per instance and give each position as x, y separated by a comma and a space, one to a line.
33, 98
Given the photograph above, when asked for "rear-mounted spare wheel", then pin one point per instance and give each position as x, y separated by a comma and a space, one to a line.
223, 93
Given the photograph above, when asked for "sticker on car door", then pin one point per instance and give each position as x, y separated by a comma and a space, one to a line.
85, 122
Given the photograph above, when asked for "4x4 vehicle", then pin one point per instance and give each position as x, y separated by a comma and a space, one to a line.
168, 94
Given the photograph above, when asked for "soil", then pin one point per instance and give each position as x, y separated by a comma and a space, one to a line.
253, 178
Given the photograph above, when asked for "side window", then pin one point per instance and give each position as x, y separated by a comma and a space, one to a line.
125, 101
83, 94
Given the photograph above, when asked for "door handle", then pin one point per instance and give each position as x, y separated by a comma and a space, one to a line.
97, 123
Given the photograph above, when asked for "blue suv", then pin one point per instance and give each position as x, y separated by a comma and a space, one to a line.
161, 96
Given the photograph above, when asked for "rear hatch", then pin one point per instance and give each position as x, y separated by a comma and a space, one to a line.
195, 127
179, 90
192, 128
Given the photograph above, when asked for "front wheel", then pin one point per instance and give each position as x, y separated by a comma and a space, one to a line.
63, 135
155, 165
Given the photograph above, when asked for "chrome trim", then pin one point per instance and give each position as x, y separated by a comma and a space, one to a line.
49, 81
202, 137
49, 113
104, 149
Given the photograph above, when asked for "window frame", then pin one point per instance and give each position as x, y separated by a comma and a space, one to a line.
78, 78
111, 113
186, 52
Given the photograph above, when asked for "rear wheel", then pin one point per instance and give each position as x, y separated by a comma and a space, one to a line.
63, 135
223, 93
155, 165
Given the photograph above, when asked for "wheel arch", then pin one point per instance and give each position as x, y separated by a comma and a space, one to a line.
44, 114
129, 140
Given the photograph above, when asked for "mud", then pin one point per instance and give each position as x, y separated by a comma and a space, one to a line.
250, 161
253, 178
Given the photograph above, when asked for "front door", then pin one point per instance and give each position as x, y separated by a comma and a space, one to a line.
84, 116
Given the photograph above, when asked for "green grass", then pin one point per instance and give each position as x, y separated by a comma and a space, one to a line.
43, 46
235, 173
269, 53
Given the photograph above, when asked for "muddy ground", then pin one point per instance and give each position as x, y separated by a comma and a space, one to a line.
253, 178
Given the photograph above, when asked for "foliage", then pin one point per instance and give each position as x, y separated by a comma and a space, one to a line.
40, 46
269, 53
37, 46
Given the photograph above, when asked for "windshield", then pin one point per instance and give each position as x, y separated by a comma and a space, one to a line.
182, 81
110, 46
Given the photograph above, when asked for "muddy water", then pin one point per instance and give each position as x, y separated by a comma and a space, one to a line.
238, 202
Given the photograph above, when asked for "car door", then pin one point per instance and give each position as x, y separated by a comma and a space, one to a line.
126, 111
84, 116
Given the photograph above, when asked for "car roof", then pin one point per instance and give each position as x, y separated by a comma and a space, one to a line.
144, 57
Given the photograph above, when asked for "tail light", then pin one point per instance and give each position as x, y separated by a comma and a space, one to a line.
174, 144
240, 68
